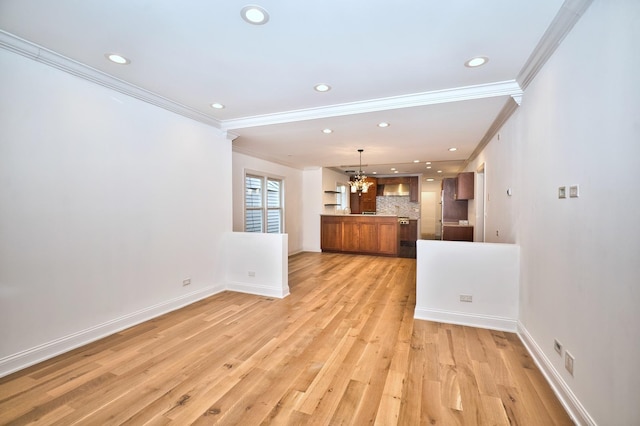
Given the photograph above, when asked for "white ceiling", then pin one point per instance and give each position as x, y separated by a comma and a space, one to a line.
400, 62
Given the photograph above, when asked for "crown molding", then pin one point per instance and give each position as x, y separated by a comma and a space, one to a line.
40, 54
503, 88
567, 16
229, 135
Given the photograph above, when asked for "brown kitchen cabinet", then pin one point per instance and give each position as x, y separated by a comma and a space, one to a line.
391, 180
465, 186
408, 232
331, 237
453, 210
376, 235
388, 238
366, 201
457, 233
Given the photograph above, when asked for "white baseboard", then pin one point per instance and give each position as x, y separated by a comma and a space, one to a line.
567, 398
26, 358
260, 290
463, 318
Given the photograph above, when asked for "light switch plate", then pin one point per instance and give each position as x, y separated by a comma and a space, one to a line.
562, 192
574, 191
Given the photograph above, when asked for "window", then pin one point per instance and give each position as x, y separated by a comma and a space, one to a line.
263, 209
343, 196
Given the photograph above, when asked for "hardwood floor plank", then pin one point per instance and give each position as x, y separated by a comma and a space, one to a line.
389, 410
485, 379
342, 349
349, 403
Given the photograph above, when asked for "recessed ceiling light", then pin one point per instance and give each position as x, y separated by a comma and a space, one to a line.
476, 62
393, 168
118, 59
255, 15
453, 149
428, 167
217, 105
427, 163
416, 161
322, 87
383, 124
439, 171
396, 171
430, 180
327, 131
374, 173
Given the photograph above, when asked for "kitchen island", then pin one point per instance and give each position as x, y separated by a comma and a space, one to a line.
359, 233
453, 231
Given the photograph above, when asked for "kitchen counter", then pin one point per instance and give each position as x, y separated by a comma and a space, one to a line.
367, 215
359, 233
359, 214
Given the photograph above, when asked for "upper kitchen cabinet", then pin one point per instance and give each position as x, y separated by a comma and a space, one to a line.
453, 209
465, 186
366, 201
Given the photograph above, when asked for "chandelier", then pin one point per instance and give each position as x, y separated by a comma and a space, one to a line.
359, 182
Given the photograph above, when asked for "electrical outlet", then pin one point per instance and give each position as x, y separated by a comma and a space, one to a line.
466, 298
558, 347
568, 362
186, 281
251, 273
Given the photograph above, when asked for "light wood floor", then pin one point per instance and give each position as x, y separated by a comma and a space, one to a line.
343, 348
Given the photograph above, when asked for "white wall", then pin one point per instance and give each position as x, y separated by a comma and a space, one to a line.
435, 187
293, 195
330, 180
501, 173
312, 208
257, 263
580, 275
487, 272
429, 207
106, 204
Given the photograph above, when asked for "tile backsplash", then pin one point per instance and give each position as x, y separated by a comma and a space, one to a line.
398, 205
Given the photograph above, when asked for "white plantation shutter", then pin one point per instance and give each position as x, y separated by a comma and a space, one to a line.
263, 209
274, 206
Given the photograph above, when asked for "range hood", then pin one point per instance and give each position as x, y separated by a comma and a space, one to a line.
395, 190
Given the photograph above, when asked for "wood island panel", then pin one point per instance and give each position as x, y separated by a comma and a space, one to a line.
376, 235
332, 235
457, 233
350, 236
388, 237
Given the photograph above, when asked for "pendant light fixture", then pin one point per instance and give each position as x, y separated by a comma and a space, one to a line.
359, 182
